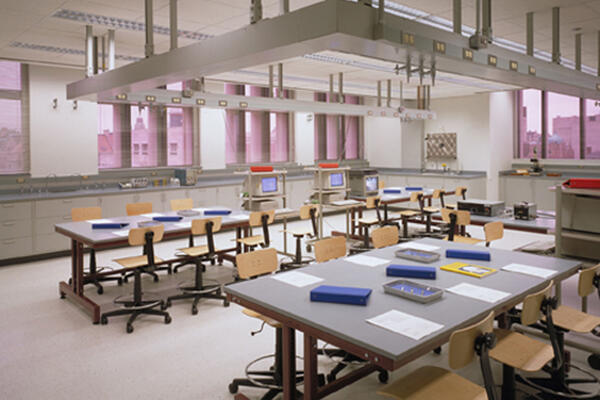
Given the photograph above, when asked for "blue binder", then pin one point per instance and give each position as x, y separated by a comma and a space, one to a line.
217, 212
410, 271
340, 294
168, 218
392, 191
469, 254
413, 188
110, 225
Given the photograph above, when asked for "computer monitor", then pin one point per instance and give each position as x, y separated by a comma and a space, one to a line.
336, 180
263, 185
269, 185
371, 184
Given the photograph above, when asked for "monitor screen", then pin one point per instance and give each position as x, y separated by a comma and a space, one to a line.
336, 180
269, 185
372, 183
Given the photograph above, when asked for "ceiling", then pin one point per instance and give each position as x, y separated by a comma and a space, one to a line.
32, 24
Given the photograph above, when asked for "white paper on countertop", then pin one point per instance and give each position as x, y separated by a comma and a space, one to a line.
417, 246
478, 292
405, 324
529, 270
239, 217
367, 260
121, 233
296, 278
99, 221
152, 215
185, 224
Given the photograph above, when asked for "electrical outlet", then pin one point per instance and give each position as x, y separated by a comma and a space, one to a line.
20, 180
85, 177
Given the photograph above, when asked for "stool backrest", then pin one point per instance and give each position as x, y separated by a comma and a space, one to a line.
586, 280
415, 196
437, 193
182, 204
137, 236
463, 217
461, 349
532, 305
385, 236
460, 191
381, 184
330, 248
493, 231
138, 208
372, 202
255, 263
255, 218
305, 210
199, 225
85, 213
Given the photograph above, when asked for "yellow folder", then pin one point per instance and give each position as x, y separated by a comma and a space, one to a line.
477, 271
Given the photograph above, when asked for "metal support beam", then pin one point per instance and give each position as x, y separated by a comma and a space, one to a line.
255, 11
173, 30
556, 35
529, 30
280, 80
330, 87
598, 51
284, 6
401, 94
149, 48
381, 11
89, 51
578, 51
341, 87
388, 103
95, 55
457, 16
271, 81
103, 68
111, 49
378, 93
487, 20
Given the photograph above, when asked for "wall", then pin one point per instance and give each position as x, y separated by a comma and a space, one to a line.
63, 141
304, 136
502, 109
383, 142
212, 138
412, 144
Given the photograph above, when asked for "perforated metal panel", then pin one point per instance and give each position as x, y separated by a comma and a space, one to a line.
441, 145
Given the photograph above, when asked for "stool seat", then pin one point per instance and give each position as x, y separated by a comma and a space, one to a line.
136, 261
195, 251
574, 320
451, 206
252, 240
298, 232
408, 213
520, 351
431, 209
368, 221
430, 382
465, 239
267, 320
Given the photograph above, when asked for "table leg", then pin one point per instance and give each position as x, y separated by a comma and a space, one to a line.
347, 223
385, 213
508, 383
238, 236
289, 363
353, 220
311, 381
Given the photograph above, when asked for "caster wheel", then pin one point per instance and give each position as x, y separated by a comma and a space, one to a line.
330, 378
168, 304
103, 320
62, 295
194, 310
129, 328
225, 303
233, 388
383, 376
164, 305
169, 271
120, 282
308, 248
594, 361
156, 279
70, 281
167, 319
124, 279
100, 290
438, 350
321, 380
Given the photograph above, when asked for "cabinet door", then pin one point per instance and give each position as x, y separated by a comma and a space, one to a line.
203, 197
15, 211
15, 247
114, 205
62, 207
50, 243
156, 198
169, 195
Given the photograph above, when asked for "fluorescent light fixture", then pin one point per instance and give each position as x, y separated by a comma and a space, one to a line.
200, 102
150, 98
439, 47
468, 54
513, 65
492, 60
121, 96
176, 100
532, 70
64, 50
243, 104
222, 103
408, 38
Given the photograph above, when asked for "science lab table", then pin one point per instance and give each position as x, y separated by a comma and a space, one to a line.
345, 326
544, 223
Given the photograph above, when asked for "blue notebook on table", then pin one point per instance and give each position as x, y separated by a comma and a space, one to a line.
167, 218
469, 254
217, 212
392, 191
110, 225
413, 188
340, 294
410, 271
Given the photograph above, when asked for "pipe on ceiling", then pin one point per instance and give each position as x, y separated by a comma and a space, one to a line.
149, 28
111, 49
173, 30
89, 51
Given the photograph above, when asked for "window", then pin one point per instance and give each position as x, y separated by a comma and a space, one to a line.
530, 123
592, 129
14, 136
109, 136
180, 136
144, 134
563, 126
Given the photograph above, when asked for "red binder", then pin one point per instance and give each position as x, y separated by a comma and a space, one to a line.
329, 165
583, 183
262, 168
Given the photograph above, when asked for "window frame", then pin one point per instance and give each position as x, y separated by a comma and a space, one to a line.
21, 95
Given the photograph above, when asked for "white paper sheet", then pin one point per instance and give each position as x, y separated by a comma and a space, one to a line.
239, 217
529, 270
99, 221
478, 292
298, 279
284, 211
367, 260
417, 246
185, 224
152, 215
405, 324
121, 233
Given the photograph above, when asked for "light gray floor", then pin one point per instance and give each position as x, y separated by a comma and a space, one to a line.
49, 349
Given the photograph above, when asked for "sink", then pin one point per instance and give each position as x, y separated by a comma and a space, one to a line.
61, 190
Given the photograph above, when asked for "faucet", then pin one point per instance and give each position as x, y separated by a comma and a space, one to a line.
48, 180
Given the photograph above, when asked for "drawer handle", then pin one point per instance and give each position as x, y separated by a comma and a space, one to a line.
8, 205
9, 241
12, 223
67, 217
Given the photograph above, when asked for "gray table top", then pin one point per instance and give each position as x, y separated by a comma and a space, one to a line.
348, 322
84, 232
541, 223
396, 197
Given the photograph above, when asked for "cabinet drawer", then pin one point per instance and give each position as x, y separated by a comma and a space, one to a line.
11, 229
19, 247
581, 213
156, 198
60, 207
12, 211
50, 243
45, 226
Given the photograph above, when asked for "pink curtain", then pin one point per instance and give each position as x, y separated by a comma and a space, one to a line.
232, 128
255, 127
351, 144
